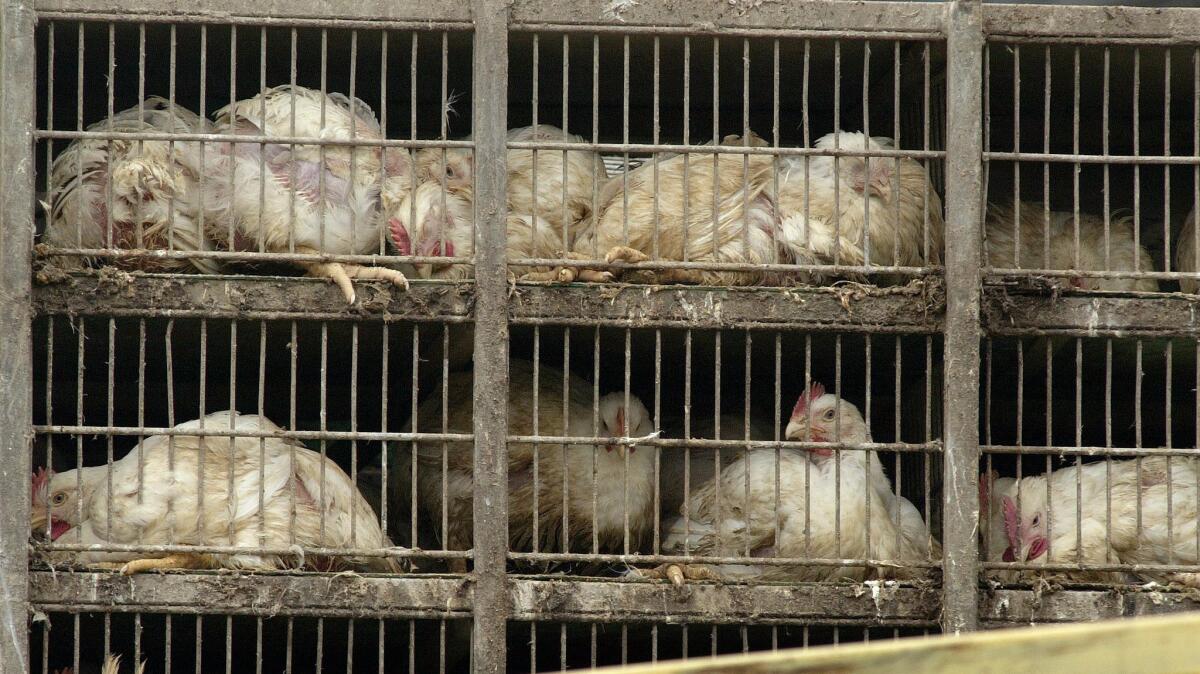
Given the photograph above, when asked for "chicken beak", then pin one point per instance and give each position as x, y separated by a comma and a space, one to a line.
37, 522
617, 447
794, 430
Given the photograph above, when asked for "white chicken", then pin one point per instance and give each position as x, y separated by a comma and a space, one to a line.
885, 213
683, 470
1124, 254
153, 186
1185, 253
822, 508
1091, 515
621, 476
434, 222
640, 217
283, 495
309, 199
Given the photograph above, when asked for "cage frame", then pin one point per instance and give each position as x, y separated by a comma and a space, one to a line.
972, 310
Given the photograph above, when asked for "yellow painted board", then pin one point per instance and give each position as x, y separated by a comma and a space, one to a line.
1153, 645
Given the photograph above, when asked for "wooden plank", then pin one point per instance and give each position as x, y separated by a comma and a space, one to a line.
1149, 645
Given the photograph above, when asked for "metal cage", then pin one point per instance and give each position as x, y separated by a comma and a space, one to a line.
964, 364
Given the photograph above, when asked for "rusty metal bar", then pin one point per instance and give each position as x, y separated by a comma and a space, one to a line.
964, 198
489, 129
916, 308
17, 98
708, 18
432, 596
378, 13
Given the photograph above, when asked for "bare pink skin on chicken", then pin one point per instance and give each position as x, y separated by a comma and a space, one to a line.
39, 497
430, 247
878, 182
1023, 534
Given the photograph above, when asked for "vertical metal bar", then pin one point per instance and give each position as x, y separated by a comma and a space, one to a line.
17, 98
964, 199
490, 85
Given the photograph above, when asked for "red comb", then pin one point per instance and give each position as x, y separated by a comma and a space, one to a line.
815, 391
400, 237
1010, 522
40, 479
621, 421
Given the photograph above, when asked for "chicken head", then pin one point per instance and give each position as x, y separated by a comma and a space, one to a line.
430, 223
824, 417
53, 500
621, 422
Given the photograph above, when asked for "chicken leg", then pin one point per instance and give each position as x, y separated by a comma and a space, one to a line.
182, 560
342, 273
678, 573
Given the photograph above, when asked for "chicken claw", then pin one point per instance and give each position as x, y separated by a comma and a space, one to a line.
342, 273
1191, 580
182, 560
571, 274
625, 254
677, 573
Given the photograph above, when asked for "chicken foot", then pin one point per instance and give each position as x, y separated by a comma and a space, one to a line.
570, 274
342, 273
1191, 580
678, 573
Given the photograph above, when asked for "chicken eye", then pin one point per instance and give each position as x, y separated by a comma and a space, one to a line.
59, 498
829, 414
1037, 519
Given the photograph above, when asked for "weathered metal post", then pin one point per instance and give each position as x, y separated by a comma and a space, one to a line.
964, 192
16, 357
490, 106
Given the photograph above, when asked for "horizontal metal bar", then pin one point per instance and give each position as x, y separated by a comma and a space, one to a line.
343, 595
1090, 451
239, 256
1087, 273
915, 308
247, 433
709, 29
1014, 608
1013, 314
1065, 158
596, 600
248, 297
350, 595
830, 19
394, 553
1067, 566
217, 138
800, 603
1082, 41
730, 266
559, 557
1179, 24
781, 151
734, 443
399, 14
